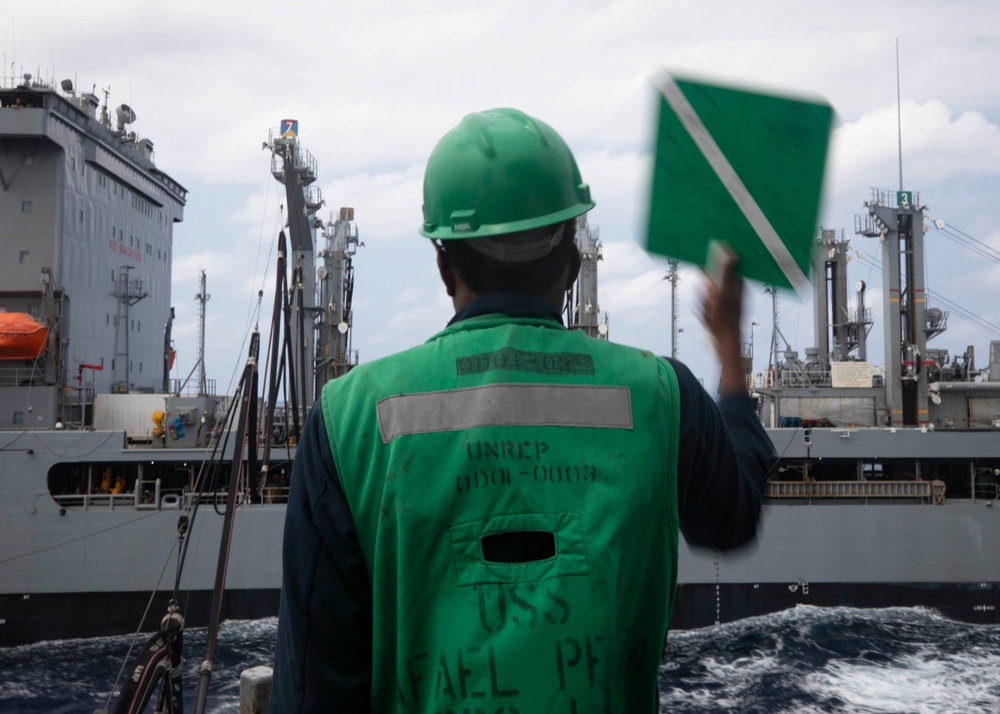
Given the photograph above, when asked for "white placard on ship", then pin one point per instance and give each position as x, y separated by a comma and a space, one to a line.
851, 374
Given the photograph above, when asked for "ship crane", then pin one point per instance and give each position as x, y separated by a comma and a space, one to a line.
891, 218
582, 309
322, 296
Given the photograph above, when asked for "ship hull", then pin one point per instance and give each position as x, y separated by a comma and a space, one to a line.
77, 564
861, 555
70, 568
702, 605
57, 616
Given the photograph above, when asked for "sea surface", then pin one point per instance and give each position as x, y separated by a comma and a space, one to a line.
802, 660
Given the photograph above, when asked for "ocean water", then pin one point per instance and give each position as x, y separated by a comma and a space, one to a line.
803, 660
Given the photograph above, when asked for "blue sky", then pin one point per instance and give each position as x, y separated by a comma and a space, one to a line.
375, 84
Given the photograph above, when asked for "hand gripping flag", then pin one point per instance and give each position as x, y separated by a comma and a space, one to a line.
742, 168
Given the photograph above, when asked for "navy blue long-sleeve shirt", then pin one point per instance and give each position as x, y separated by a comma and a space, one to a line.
324, 645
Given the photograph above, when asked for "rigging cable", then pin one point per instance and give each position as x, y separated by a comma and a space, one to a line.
161, 656
963, 238
962, 312
278, 221
138, 631
245, 437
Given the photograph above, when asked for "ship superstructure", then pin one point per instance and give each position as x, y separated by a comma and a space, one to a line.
321, 338
919, 386
88, 243
884, 491
583, 311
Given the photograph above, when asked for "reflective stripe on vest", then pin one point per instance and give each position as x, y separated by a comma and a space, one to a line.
505, 405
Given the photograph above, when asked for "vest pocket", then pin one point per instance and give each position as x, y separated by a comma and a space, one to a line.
519, 548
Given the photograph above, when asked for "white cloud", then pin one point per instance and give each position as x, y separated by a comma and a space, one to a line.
374, 85
405, 35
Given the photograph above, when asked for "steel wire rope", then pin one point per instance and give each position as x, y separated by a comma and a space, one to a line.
135, 635
979, 248
35, 366
983, 248
784, 451
963, 312
181, 558
199, 486
955, 307
973, 245
215, 614
64, 455
192, 511
861, 255
251, 309
982, 322
278, 222
79, 538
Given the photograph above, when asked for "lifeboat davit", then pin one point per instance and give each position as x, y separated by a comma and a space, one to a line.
21, 336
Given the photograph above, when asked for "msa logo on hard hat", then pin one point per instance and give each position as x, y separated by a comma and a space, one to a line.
464, 221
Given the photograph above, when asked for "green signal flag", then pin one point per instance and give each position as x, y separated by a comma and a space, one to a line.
739, 167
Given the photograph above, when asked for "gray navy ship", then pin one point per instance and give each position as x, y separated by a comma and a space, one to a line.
103, 457
883, 495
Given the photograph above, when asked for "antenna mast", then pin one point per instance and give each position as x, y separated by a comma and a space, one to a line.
202, 297
673, 277
899, 118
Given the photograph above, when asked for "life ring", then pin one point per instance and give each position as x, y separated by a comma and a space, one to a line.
170, 500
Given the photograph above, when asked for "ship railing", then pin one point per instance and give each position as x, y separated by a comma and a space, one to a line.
890, 198
187, 388
924, 490
102, 501
314, 199
764, 380
21, 377
295, 159
149, 495
145, 495
274, 494
810, 375
860, 316
988, 493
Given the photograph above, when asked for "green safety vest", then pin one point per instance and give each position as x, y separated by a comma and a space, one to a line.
502, 433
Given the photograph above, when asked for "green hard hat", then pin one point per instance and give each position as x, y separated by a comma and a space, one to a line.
500, 171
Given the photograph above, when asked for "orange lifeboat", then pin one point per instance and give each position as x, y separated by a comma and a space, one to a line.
21, 337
